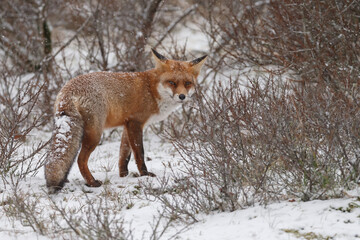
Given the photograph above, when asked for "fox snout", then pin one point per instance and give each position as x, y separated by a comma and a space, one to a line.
175, 91
183, 92
182, 96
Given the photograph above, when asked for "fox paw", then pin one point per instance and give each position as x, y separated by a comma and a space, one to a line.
124, 173
150, 174
95, 183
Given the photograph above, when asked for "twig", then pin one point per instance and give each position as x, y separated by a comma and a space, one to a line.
149, 15
69, 41
174, 23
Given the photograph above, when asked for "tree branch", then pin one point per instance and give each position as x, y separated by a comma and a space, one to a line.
174, 23
69, 41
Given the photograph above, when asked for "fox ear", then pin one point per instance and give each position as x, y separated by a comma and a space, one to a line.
158, 58
197, 64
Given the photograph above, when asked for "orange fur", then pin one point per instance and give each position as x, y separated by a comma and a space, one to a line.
89, 103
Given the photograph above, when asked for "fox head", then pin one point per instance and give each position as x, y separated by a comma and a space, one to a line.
177, 79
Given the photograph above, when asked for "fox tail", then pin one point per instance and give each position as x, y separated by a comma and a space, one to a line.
65, 144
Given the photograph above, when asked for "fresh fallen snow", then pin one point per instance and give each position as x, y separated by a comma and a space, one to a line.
283, 220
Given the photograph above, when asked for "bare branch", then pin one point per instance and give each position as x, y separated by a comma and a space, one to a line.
50, 58
174, 23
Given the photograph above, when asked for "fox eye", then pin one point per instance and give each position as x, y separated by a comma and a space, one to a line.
172, 83
188, 84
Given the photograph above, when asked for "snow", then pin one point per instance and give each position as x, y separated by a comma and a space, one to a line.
192, 37
62, 124
281, 221
288, 219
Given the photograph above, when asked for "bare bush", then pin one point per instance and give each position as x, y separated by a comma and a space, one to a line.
106, 40
270, 142
93, 218
227, 163
26, 37
19, 95
285, 135
122, 47
318, 40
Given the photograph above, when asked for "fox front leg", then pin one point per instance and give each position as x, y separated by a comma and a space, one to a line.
125, 154
135, 139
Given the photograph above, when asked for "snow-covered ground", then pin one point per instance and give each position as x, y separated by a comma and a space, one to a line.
289, 219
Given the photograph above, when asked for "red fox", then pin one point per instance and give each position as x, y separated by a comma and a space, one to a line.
89, 103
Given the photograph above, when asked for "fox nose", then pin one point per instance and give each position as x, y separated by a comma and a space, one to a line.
182, 96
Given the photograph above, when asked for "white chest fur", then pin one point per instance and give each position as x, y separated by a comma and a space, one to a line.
166, 105
165, 108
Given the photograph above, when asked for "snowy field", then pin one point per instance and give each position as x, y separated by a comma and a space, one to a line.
288, 219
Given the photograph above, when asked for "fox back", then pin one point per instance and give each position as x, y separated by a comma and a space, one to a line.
89, 103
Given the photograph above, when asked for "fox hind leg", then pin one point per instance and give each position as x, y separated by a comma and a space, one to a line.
90, 141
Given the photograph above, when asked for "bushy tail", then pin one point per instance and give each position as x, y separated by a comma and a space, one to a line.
65, 144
